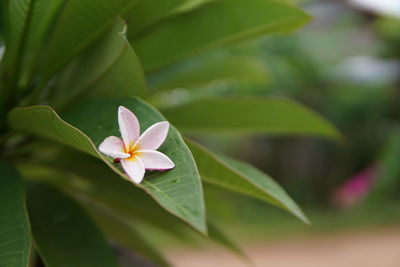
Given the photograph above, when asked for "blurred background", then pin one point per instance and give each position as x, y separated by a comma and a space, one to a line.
345, 65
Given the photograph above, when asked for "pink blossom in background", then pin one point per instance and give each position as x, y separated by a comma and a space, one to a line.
355, 188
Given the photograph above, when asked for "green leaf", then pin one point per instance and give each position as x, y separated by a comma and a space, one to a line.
189, 75
248, 115
215, 23
126, 233
78, 26
123, 79
109, 69
29, 21
64, 233
43, 121
179, 190
2, 20
42, 16
240, 177
18, 17
15, 238
149, 12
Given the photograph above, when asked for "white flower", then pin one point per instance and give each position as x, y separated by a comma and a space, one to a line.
137, 152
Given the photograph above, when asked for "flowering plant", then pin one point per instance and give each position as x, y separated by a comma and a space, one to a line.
67, 67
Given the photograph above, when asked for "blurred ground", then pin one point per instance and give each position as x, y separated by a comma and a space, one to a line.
365, 248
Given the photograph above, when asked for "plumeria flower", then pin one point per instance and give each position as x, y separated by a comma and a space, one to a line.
137, 152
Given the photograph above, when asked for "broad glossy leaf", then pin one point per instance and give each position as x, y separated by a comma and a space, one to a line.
41, 18
240, 177
15, 238
3, 10
64, 233
248, 115
29, 21
109, 69
146, 13
178, 190
215, 23
149, 12
124, 78
43, 121
78, 26
201, 73
17, 20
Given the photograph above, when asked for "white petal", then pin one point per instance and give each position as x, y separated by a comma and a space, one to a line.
154, 160
154, 136
114, 147
128, 126
134, 168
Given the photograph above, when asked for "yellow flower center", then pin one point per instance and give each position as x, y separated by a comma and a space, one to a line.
133, 151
